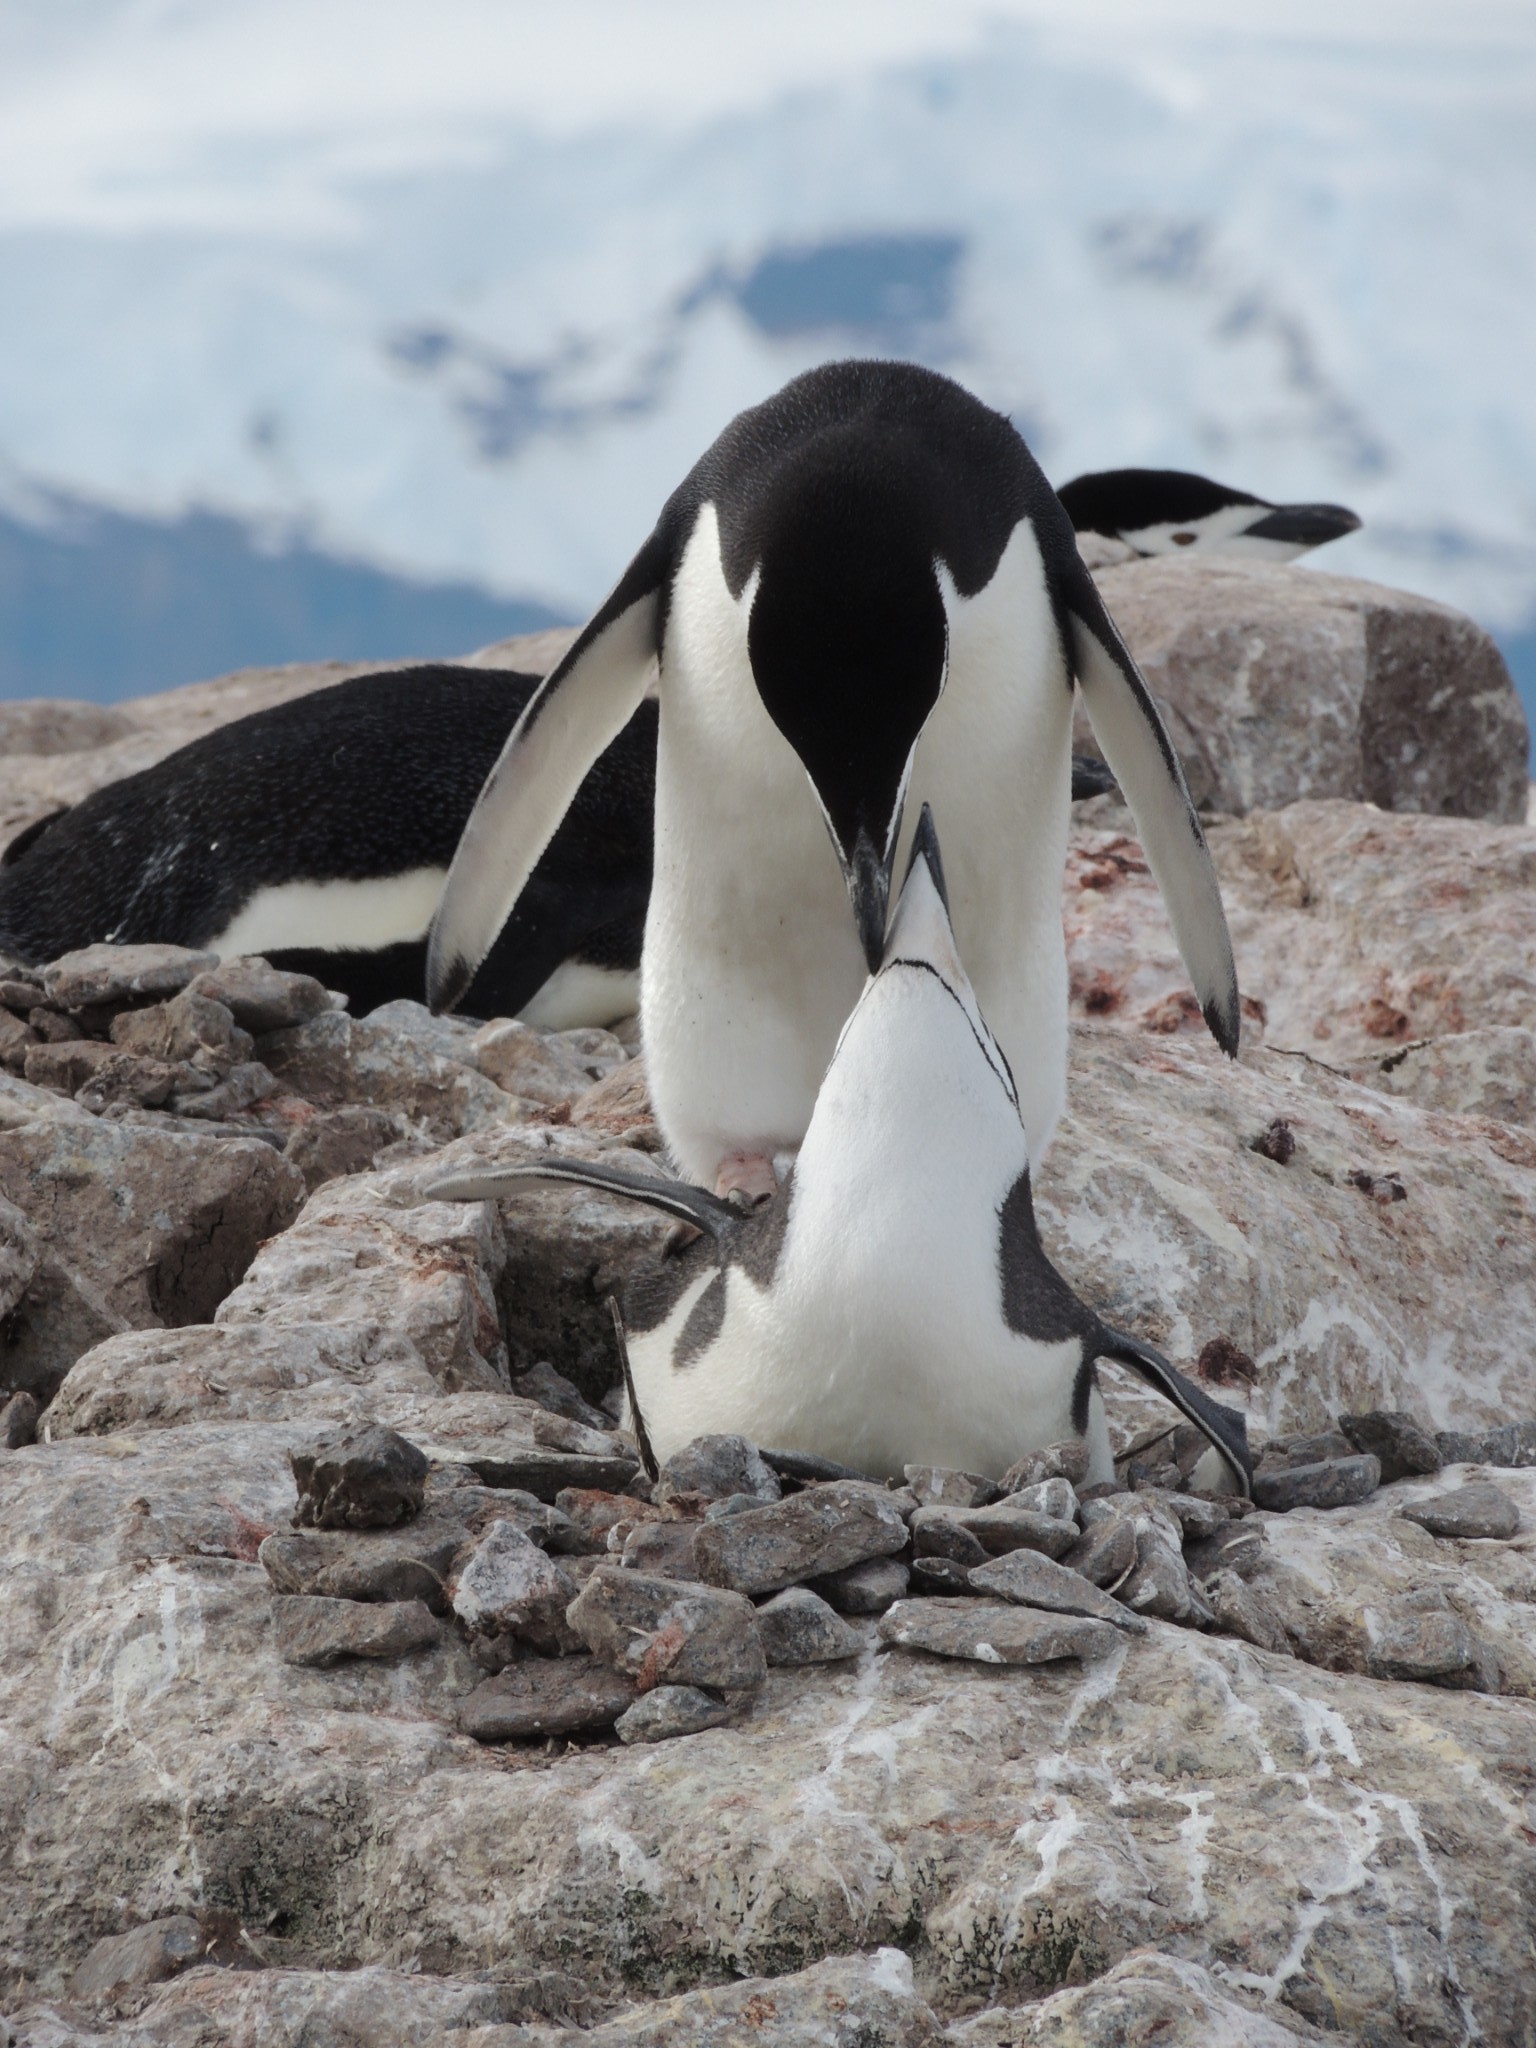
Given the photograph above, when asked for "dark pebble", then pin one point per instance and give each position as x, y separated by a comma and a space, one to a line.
1339, 1483
364, 1479
1402, 1448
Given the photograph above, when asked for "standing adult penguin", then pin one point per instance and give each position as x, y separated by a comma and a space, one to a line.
1166, 511
893, 1305
865, 584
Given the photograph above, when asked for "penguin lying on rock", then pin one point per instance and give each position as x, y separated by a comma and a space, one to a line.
319, 833
864, 587
1162, 511
892, 1305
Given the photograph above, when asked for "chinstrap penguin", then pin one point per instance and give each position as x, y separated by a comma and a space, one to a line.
319, 833
892, 1304
864, 584
1168, 511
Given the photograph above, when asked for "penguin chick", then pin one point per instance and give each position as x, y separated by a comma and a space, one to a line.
864, 586
893, 1304
1164, 511
319, 833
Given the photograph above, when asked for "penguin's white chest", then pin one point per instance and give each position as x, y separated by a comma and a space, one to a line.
751, 962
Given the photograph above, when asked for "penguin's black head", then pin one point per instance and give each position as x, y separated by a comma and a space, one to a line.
848, 641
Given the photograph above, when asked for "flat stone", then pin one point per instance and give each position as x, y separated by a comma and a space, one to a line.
1339, 1483
1160, 1584
599, 1514
411, 1563
1068, 1460
938, 1532
988, 1634
670, 1710
1512, 1447
1479, 1510
130, 1078
824, 1529
1002, 1528
1240, 1611
1400, 1445
936, 1486
188, 1027
867, 1588
718, 1467
364, 1479
67, 1066
798, 1627
552, 1390
546, 1474
313, 1631
109, 974
1199, 1515
242, 1087
532, 1064
505, 1589
1030, 1580
1105, 1551
260, 997
543, 1696
18, 1422
664, 1549
1456, 1447
1313, 1447
1056, 1497
1421, 1639
666, 1633
144, 1955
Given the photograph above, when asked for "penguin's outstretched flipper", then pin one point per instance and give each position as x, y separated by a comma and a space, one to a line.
1140, 753
1226, 1429
581, 707
674, 1197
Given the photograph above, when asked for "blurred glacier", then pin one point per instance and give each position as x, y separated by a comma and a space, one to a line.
450, 298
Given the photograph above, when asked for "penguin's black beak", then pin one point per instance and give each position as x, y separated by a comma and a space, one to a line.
867, 873
1304, 526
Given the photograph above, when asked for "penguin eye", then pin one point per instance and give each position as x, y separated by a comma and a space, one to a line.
1183, 540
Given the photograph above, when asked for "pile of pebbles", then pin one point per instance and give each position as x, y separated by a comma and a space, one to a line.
655, 1609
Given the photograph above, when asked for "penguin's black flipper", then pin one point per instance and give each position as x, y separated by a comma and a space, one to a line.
1138, 749
583, 704
675, 1197
1226, 1429
1090, 778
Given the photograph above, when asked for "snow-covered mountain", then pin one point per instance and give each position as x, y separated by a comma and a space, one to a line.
458, 293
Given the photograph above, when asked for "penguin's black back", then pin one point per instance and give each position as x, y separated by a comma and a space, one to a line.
369, 778
1115, 501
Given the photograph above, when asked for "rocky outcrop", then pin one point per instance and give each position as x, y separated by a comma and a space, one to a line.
1280, 683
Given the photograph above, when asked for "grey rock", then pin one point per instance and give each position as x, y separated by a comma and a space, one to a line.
604, 1517
188, 1027
798, 1627
552, 1390
543, 1696
1479, 1510
1400, 1446
936, 1486
664, 1549
260, 997
70, 1066
410, 1563
670, 1710
1236, 1547
1067, 1460
988, 1634
941, 1575
1105, 1552
1421, 1638
867, 1588
363, 1479
733, 1504
939, 1533
149, 1954
1160, 1584
243, 1086
1339, 1483
18, 1422
1198, 1515
1054, 1497
335, 1142
1314, 1447
132, 1229
1240, 1611
547, 1474
1511, 1447
1351, 690
666, 1633
1030, 1580
109, 974
1000, 1528
1145, 1999
823, 1529
505, 1590
1456, 1447
336, 1059
312, 1631
718, 1467
535, 1065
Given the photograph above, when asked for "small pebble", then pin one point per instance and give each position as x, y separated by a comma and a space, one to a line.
1054, 1497
984, 1633
824, 1529
1403, 1449
1339, 1483
543, 1696
1420, 1638
936, 1486
797, 1627
1479, 1510
1068, 1460
670, 1710
1105, 1552
313, 1631
18, 1421
867, 1588
1029, 1579
363, 1479
718, 1467
661, 1631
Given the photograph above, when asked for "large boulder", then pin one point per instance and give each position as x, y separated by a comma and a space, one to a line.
1280, 683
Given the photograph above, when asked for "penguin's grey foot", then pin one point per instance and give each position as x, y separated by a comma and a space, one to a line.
746, 1180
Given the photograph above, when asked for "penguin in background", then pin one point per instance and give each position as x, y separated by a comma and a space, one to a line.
864, 588
319, 833
893, 1305
1166, 511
